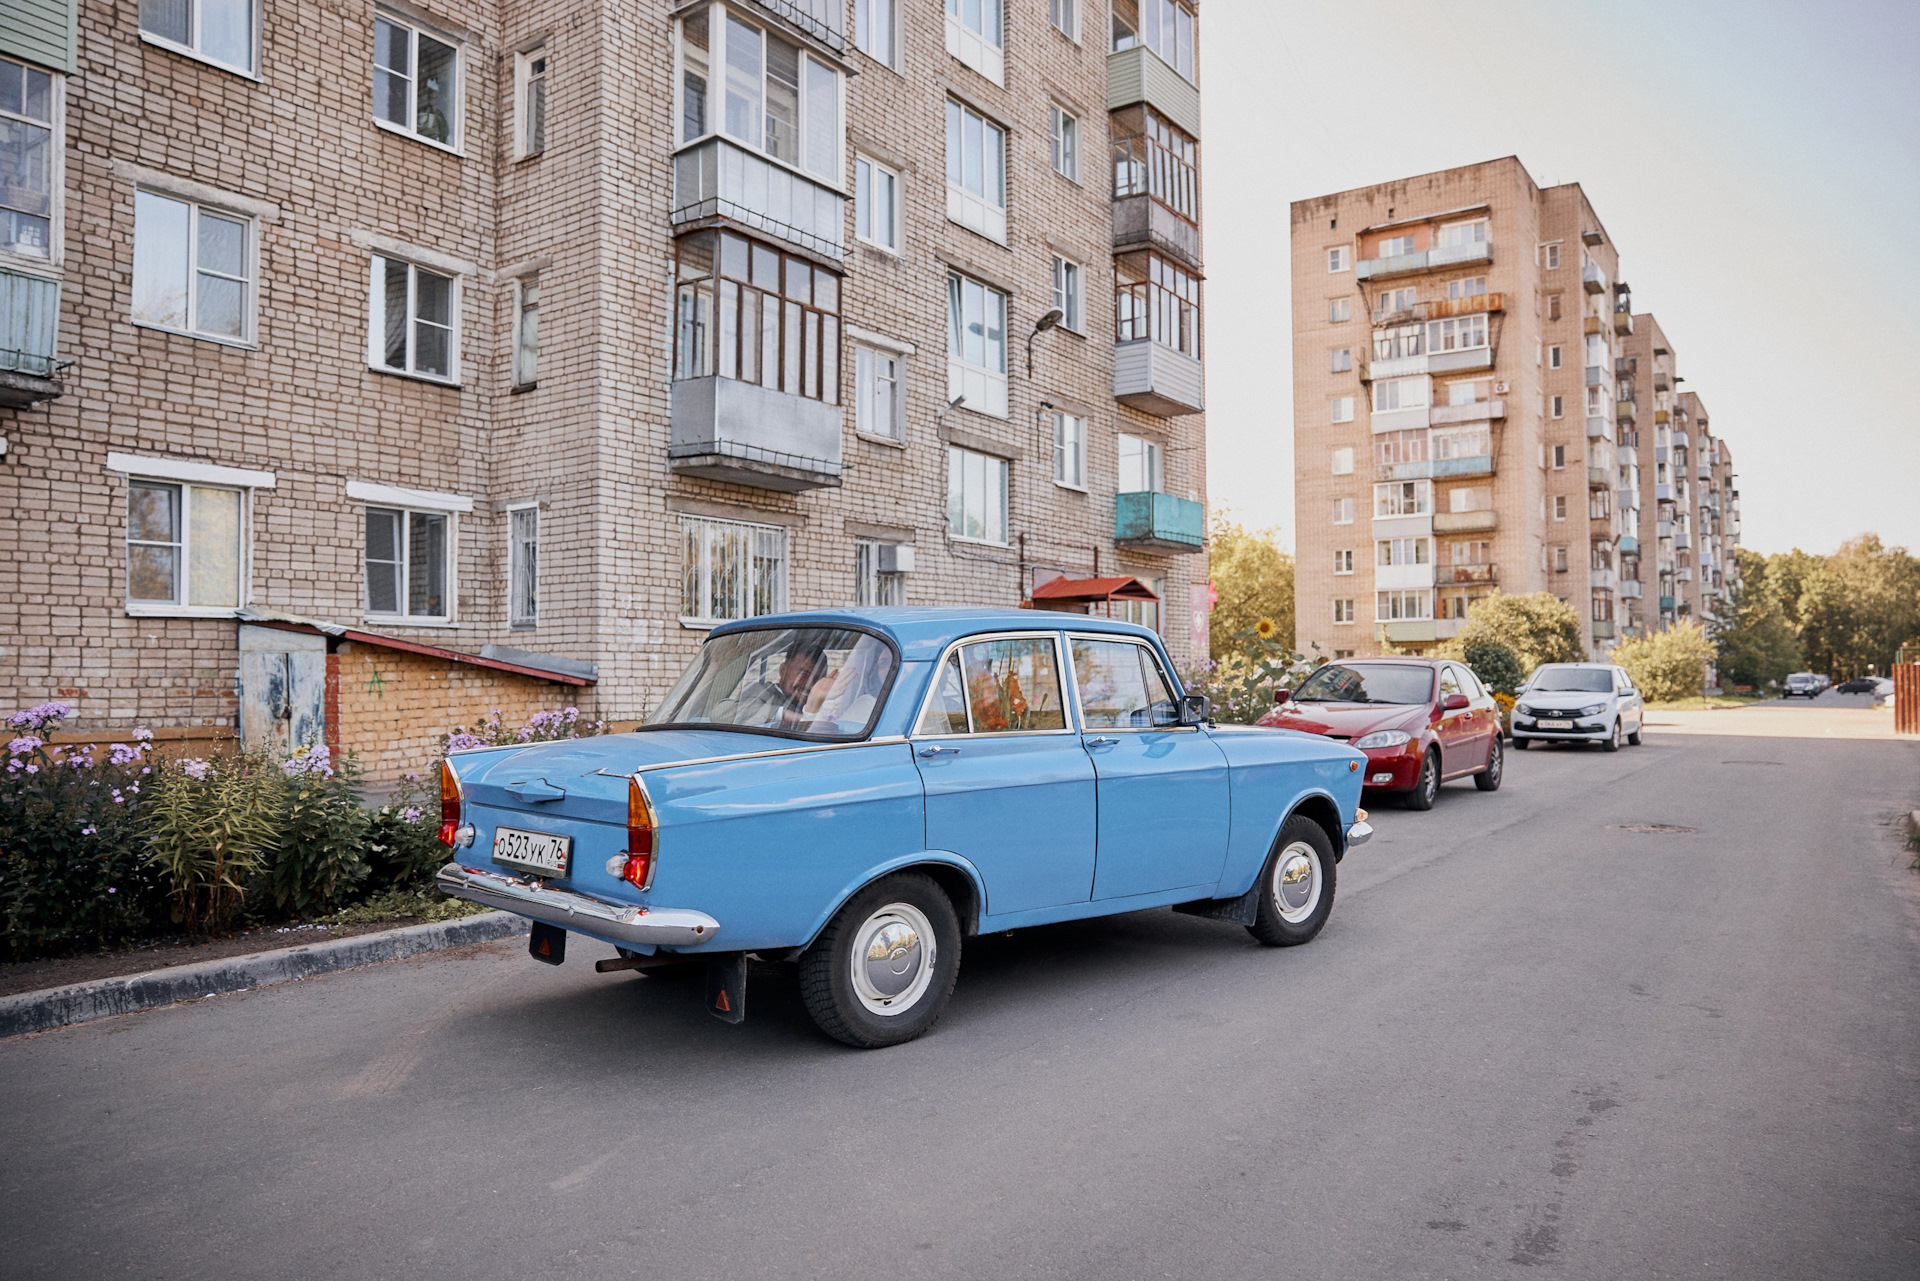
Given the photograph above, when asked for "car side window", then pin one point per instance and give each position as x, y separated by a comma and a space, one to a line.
1470, 684
1013, 685
1449, 683
946, 710
1119, 685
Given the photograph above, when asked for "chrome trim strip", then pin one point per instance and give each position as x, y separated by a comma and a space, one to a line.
661, 926
1359, 834
881, 740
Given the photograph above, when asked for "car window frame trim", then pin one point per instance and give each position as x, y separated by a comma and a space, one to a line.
1061, 671
1173, 684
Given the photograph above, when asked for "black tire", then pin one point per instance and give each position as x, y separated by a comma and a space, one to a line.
1427, 788
1613, 739
1633, 739
827, 982
1488, 779
1521, 744
1278, 923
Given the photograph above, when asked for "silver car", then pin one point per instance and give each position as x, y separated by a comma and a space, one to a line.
1579, 703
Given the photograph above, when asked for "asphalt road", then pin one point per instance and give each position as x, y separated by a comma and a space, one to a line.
1527, 1037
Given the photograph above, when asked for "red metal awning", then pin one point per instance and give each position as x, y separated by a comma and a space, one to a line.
1094, 589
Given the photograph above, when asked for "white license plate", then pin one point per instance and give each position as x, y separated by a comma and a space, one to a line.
1541, 724
531, 851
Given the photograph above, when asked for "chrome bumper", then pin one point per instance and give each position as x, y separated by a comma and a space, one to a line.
624, 922
1359, 834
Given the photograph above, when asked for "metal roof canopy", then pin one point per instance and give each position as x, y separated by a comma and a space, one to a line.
1094, 589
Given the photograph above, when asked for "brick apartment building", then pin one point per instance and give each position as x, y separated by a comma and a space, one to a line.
371, 365
1468, 413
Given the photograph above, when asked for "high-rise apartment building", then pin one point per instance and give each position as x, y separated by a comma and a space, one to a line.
1466, 415
527, 341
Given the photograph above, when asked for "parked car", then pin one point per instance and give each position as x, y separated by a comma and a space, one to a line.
1420, 721
1579, 703
1858, 685
858, 792
1802, 684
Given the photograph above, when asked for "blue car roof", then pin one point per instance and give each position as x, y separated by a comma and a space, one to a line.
921, 633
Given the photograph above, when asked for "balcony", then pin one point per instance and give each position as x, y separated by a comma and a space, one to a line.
1486, 573
1599, 477
1409, 631
1626, 411
1441, 308
1661, 416
1395, 367
1155, 522
1598, 428
1403, 471
1663, 529
1447, 362
1623, 322
1681, 440
1629, 589
1662, 493
1138, 75
29, 326
1593, 325
1666, 604
1603, 629
1141, 220
1423, 260
1684, 574
1600, 578
1465, 465
1462, 522
1629, 545
1593, 280
1682, 539
744, 434
1403, 578
1596, 376
719, 178
1157, 379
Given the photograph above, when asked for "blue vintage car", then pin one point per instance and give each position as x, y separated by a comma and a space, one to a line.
859, 791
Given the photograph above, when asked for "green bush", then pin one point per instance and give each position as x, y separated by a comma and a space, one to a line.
210, 827
1495, 663
1670, 664
1538, 627
320, 856
403, 838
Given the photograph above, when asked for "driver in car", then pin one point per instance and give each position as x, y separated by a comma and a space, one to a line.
791, 698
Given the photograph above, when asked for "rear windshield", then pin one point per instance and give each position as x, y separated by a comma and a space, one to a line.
1355, 683
814, 682
1572, 680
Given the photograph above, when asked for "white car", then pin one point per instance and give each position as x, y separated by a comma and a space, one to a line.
1579, 703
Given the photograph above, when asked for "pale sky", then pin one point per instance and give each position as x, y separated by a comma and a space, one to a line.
1758, 165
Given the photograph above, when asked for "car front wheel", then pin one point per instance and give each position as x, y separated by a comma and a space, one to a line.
1427, 788
1613, 738
1488, 779
882, 970
1296, 885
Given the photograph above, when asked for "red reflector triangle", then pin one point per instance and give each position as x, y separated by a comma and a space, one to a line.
546, 947
722, 1004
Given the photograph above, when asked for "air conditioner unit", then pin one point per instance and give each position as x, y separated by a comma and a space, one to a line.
1500, 388
895, 559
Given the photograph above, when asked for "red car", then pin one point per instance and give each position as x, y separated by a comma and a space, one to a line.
1420, 721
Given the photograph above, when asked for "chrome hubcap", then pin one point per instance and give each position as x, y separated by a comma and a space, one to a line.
893, 959
1296, 881
1498, 755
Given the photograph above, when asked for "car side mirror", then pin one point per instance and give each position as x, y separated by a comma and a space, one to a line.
1454, 702
1195, 709
1281, 696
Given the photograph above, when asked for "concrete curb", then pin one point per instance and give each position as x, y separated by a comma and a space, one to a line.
81, 1002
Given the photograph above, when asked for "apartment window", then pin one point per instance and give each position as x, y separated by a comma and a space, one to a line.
1154, 158
1457, 333
976, 172
1602, 607
1596, 400
873, 585
777, 98
1070, 293
976, 496
1343, 511
1399, 341
1469, 391
1337, 259
1343, 561
1470, 498
1599, 504
185, 547
1343, 461
1343, 609
879, 381
1554, 356
1070, 450
1559, 506
413, 313
977, 345
1559, 406
1340, 360
1403, 498
1155, 299
1340, 409
1550, 255
1405, 551
1339, 309
1164, 26
523, 566
1065, 17
1143, 613
1394, 246
192, 268
1553, 306
1140, 465
28, 156
216, 31
416, 81
526, 331
974, 36
746, 310
876, 204
1392, 300
1401, 393
1471, 552
730, 569
1559, 560
1394, 607
1472, 441
1559, 457
409, 571
1390, 449
1064, 129
530, 98
1471, 287
876, 30
1458, 235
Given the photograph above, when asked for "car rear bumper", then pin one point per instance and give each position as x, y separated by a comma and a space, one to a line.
620, 922
1359, 834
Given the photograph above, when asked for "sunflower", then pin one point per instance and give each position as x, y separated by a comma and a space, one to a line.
1264, 629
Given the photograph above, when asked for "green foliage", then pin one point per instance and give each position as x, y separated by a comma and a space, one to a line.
404, 905
403, 838
1538, 627
210, 828
1241, 684
1669, 664
1757, 646
1849, 612
322, 832
1495, 663
1254, 578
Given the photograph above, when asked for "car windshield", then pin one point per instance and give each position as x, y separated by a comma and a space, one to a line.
1571, 680
819, 682
1369, 683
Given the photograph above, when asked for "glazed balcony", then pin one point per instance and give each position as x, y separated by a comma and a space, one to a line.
1440, 256
719, 179
1593, 280
29, 327
1138, 75
1441, 308
1599, 477
1629, 589
1463, 522
1626, 411
1156, 198
1480, 411
1156, 522
1468, 573
745, 434
1598, 428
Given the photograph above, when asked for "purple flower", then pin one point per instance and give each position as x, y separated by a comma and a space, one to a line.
460, 741
410, 778
32, 768
193, 767
121, 754
40, 717
309, 761
411, 814
88, 831
143, 734
118, 799
24, 744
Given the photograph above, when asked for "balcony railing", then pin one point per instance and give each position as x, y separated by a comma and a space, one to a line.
719, 178
1479, 411
1629, 545
1599, 477
29, 327
1603, 629
1598, 428
1593, 280
745, 434
1139, 75
1625, 411
1158, 379
1424, 260
1629, 589
1149, 521
1468, 573
1420, 470
1623, 322
1667, 604
1440, 308
1462, 522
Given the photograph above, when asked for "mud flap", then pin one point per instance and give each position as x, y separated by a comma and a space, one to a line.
547, 943
727, 987
1244, 910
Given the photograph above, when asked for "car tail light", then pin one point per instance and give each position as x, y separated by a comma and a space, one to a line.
450, 799
638, 871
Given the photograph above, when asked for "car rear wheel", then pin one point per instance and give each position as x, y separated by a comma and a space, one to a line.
1613, 738
1296, 885
882, 970
1426, 788
1488, 779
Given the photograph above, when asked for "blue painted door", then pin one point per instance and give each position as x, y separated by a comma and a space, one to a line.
1162, 792
1008, 785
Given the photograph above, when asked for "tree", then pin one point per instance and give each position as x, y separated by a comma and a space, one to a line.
1254, 577
1538, 627
1757, 645
1495, 663
1669, 664
1859, 606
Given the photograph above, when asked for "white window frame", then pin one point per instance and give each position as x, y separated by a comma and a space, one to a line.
1340, 360
1151, 465
192, 49
377, 318
1394, 246
1343, 511
187, 476
1070, 293
526, 315
1550, 255
982, 49
1559, 457
1340, 409
976, 210
1559, 406
1339, 310
1406, 550
1342, 561
872, 586
1441, 238
830, 170
451, 579
1468, 287
1559, 506
1343, 461
879, 374
1064, 16
1390, 394
1390, 495
1070, 450
994, 472
1343, 611
983, 385
876, 30
867, 173
1063, 130
251, 281
524, 78
56, 127
1339, 260
455, 144
758, 536
1556, 356
1390, 605
523, 553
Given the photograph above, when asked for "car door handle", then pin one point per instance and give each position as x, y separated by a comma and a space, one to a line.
1102, 742
939, 751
